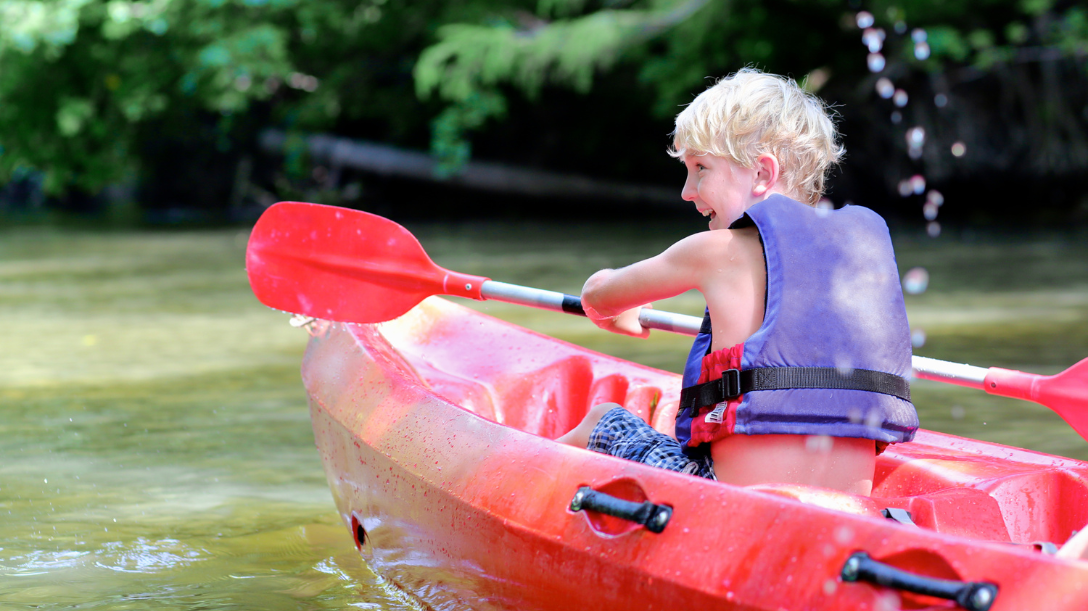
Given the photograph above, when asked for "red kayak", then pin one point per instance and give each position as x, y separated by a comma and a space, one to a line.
436, 431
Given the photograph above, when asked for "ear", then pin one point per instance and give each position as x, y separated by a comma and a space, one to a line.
766, 178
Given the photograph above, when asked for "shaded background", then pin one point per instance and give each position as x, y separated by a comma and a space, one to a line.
152, 112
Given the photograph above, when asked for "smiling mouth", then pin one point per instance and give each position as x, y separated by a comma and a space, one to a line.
709, 213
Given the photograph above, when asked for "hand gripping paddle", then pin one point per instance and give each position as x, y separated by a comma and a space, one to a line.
351, 266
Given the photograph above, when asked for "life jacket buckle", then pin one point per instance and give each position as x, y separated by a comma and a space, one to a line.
729, 385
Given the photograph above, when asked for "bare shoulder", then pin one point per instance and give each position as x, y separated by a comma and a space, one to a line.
718, 251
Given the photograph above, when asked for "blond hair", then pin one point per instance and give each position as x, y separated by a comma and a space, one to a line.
751, 113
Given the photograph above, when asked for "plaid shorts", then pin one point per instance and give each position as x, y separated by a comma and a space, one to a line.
623, 434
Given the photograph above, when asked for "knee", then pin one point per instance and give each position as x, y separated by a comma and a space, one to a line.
598, 411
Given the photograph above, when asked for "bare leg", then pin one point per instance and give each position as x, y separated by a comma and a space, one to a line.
579, 435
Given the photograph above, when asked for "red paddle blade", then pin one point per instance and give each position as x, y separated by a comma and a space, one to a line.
1066, 393
345, 265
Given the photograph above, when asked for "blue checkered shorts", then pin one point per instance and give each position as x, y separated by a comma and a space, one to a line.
623, 434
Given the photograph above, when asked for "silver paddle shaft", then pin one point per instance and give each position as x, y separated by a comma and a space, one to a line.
924, 368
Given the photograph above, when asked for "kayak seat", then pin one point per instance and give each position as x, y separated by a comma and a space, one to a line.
963, 511
956, 511
1036, 498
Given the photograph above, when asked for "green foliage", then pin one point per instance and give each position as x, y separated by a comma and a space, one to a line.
469, 62
81, 75
86, 84
675, 45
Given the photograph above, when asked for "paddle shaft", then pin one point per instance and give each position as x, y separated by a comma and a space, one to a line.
353, 266
924, 368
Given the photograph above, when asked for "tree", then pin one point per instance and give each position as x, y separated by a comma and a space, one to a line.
949, 71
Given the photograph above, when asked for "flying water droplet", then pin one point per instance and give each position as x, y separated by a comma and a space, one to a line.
929, 210
921, 51
917, 338
885, 88
897, 117
916, 136
899, 97
959, 149
918, 35
940, 100
918, 184
876, 62
864, 19
958, 412
933, 229
873, 38
905, 188
935, 197
916, 281
900, 27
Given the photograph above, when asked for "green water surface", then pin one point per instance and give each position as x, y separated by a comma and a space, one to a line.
155, 446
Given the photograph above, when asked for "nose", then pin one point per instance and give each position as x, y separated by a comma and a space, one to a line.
690, 192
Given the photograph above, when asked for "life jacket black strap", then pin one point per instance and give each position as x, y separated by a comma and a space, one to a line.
735, 383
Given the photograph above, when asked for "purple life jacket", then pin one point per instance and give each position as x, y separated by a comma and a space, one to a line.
834, 306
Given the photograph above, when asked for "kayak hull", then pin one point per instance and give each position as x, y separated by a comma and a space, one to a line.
434, 431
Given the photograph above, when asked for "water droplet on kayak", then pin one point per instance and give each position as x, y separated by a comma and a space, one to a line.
844, 534
830, 586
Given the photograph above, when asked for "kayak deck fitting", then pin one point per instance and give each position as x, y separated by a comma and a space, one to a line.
435, 433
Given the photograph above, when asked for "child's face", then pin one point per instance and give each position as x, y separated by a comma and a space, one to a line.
719, 188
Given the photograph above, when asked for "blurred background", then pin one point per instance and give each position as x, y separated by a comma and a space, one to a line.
155, 450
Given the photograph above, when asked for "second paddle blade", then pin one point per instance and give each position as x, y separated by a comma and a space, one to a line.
344, 265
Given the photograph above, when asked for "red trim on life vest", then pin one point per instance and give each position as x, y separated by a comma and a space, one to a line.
711, 369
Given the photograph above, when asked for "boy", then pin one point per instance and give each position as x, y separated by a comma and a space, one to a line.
801, 373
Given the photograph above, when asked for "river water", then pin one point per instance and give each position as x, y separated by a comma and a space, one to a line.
155, 446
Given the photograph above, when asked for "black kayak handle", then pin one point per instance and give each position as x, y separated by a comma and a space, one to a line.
654, 517
971, 595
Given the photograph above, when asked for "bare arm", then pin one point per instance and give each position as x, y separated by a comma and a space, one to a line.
612, 297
